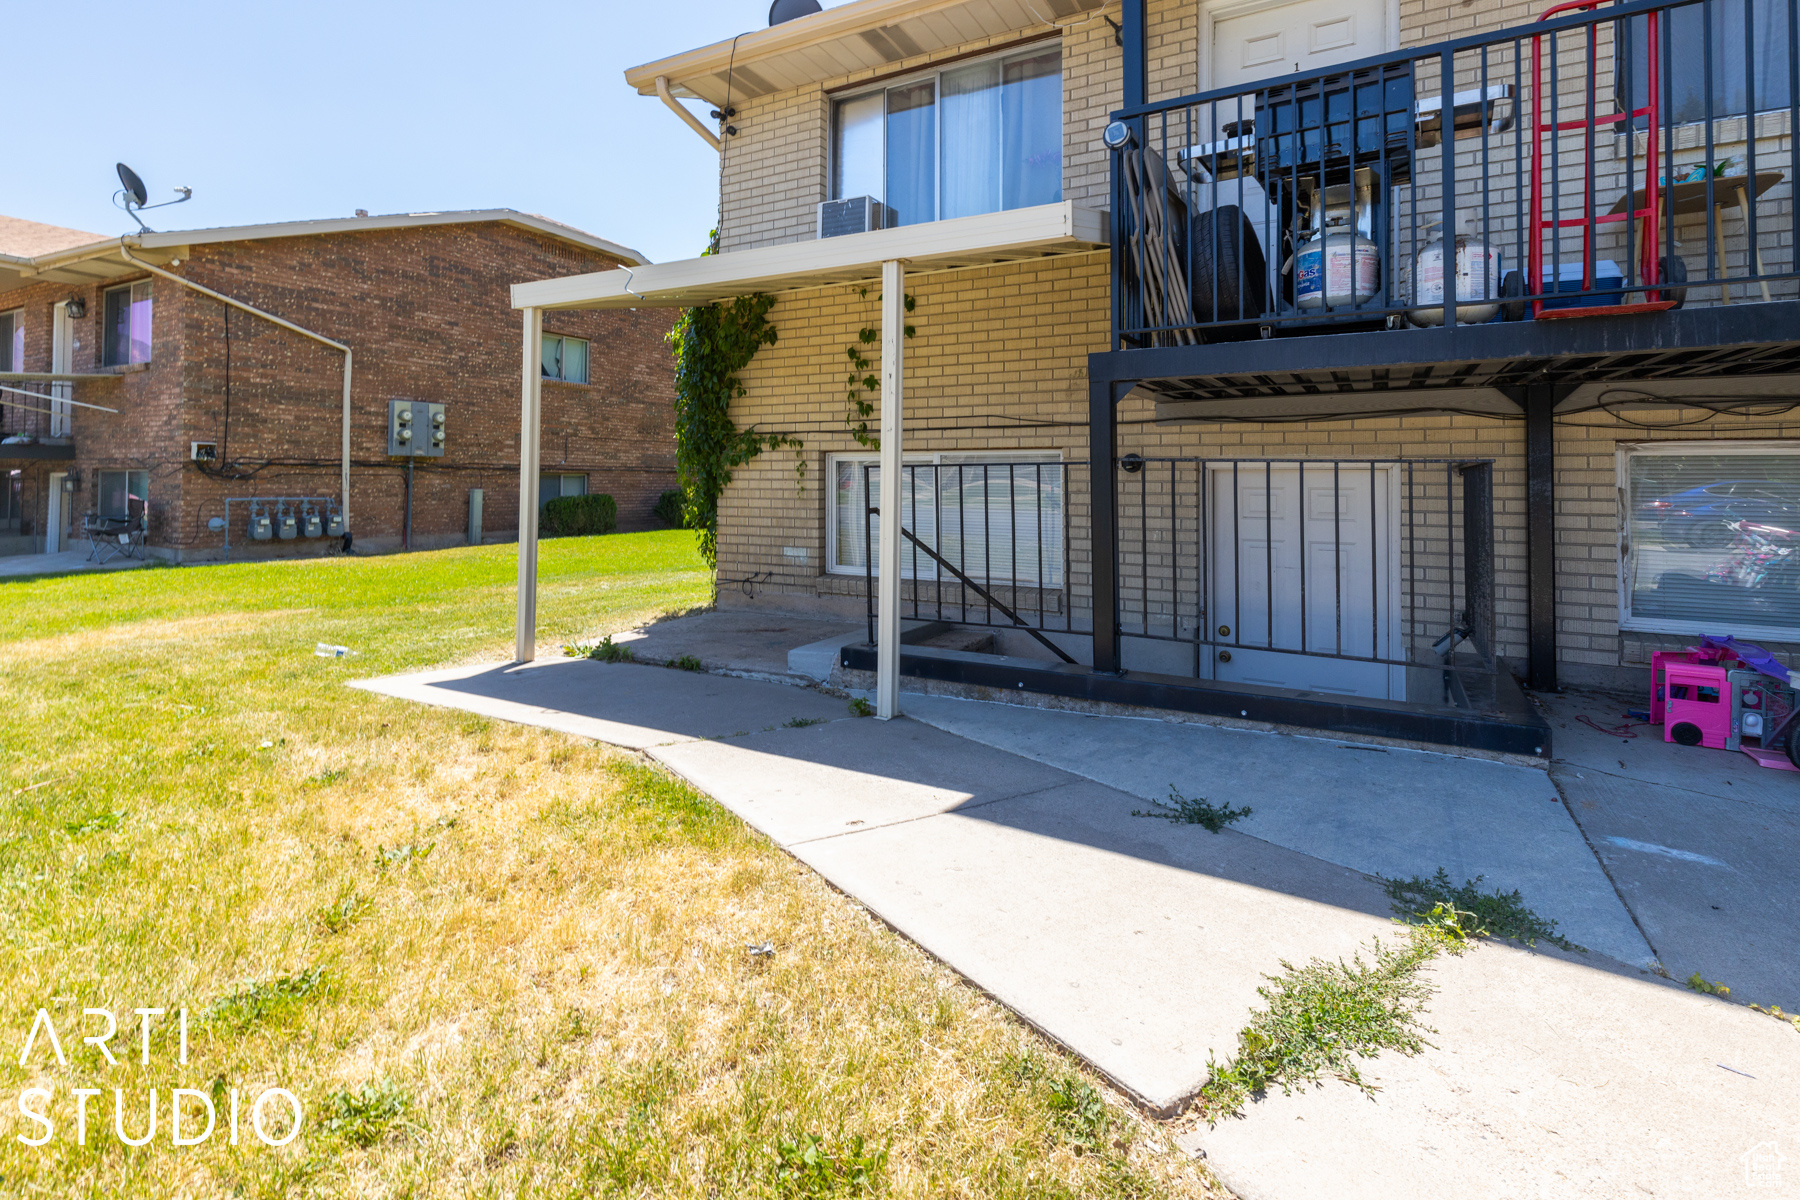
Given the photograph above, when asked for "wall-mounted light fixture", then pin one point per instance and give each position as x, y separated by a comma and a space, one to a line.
76, 307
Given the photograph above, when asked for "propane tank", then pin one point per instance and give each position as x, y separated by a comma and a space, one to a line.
1337, 266
1477, 269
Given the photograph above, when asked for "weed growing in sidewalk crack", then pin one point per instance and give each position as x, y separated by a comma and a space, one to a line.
1320, 1018
686, 662
803, 722
610, 651
1197, 810
860, 707
1493, 914
1697, 983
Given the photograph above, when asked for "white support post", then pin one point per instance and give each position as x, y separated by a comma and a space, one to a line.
531, 394
887, 631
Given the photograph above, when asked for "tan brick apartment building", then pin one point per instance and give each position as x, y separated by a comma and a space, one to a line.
1342, 514
215, 402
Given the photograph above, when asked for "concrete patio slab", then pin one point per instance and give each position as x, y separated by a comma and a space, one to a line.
1549, 1079
752, 643
1137, 944
1727, 774
1385, 811
800, 784
1700, 843
65, 562
624, 704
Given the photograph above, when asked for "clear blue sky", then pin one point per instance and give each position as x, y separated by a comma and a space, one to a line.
276, 112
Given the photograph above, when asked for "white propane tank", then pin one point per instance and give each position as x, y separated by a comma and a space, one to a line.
1477, 267
1337, 266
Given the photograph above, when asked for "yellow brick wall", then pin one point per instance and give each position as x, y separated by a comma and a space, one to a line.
999, 361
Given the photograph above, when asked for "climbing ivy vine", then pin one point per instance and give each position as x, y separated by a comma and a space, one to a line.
712, 344
863, 383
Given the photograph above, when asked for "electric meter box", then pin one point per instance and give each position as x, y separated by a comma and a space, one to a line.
416, 429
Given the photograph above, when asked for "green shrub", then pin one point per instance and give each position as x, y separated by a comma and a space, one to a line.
668, 509
579, 516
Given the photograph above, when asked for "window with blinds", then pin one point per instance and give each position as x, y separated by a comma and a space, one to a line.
1712, 538
995, 517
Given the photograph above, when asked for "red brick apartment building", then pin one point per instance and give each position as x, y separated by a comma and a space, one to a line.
212, 401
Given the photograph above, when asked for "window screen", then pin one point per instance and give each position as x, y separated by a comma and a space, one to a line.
127, 325
552, 487
565, 358
1714, 541
978, 138
12, 341
123, 493
1736, 48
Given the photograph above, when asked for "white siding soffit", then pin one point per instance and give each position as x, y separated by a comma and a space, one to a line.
1015, 235
865, 35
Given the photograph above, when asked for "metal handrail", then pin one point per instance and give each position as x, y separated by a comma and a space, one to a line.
1012, 616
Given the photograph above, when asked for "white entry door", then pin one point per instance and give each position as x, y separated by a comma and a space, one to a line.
1253, 41
1303, 559
54, 516
62, 356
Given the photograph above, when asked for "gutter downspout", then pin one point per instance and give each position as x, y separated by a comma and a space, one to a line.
680, 110
344, 471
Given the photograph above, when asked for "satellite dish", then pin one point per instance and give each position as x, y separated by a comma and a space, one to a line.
134, 187
788, 10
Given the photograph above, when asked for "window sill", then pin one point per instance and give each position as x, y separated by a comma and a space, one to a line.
569, 383
128, 368
1694, 629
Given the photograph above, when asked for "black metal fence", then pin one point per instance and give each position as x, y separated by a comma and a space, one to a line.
1317, 573
1370, 562
35, 410
1611, 156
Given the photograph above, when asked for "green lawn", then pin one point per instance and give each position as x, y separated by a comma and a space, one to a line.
487, 960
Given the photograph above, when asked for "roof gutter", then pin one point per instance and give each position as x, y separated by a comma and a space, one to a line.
344, 471
680, 110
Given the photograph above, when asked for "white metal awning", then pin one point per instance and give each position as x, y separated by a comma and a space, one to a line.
865, 35
1023, 233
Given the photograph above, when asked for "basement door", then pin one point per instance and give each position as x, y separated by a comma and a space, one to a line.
1303, 577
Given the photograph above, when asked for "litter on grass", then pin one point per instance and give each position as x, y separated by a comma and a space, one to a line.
325, 650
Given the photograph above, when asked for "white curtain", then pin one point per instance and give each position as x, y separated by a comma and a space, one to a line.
970, 145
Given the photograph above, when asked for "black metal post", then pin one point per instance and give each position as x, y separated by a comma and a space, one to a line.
1137, 70
1103, 514
1539, 402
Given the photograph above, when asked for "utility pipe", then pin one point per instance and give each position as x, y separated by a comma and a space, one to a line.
531, 399
41, 396
344, 472
887, 631
680, 110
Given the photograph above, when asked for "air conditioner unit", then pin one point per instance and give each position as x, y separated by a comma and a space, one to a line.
858, 214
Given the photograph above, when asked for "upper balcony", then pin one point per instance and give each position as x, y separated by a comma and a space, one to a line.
1610, 190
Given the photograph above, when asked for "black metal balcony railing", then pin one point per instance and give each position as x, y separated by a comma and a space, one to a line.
38, 410
1609, 158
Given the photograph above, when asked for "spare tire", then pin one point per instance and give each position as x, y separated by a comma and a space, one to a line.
1226, 253
1673, 270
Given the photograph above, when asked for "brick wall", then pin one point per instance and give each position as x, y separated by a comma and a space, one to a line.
427, 313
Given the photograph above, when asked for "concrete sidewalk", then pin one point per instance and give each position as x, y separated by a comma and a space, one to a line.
1140, 944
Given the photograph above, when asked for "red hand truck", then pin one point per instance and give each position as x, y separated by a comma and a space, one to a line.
1651, 211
